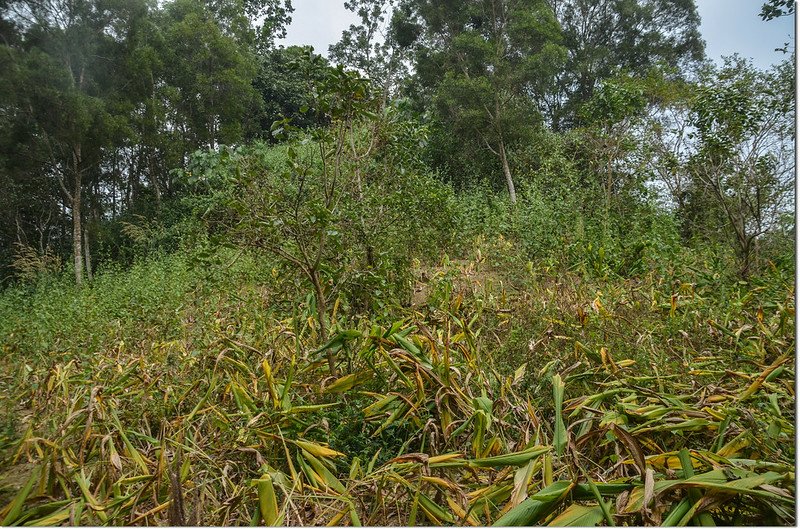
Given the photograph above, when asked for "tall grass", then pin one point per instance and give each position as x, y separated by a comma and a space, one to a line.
509, 393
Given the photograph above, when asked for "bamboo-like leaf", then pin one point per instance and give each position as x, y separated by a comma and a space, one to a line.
677, 513
446, 484
461, 513
522, 478
560, 431
56, 518
756, 385
155, 510
348, 382
132, 452
536, 507
377, 407
633, 447
395, 415
327, 477
354, 519
267, 502
443, 458
578, 516
693, 495
435, 513
317, 449
516, 459
42, 511
83, 483
604, 507
13, 510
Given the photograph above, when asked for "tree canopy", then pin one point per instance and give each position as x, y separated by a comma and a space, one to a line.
105, 103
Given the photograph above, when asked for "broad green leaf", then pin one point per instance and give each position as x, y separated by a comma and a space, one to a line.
578, 516
535, 507
516, 459
560, 431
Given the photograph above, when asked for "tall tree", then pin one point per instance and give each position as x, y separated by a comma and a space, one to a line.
371, 46
67, 45
104, 97
606, 36
286, 81
210, 75
613, 116
29, 204
486, 64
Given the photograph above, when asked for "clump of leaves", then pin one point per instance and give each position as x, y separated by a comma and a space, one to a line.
239, 422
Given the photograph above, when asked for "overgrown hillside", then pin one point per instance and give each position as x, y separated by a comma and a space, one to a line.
504, 393
490, 262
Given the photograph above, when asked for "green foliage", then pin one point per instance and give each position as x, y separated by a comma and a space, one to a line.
199, 373
201, 59
744, 162
104, 99
624, 35
371, 47
310, 302
485, 65
344, 206
285, 80
777, 8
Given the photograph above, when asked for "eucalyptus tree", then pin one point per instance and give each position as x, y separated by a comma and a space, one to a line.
614, 116
191, 72
484, 65
63, 61
30, 213
371, 46
107, 96
605, 37
209, 75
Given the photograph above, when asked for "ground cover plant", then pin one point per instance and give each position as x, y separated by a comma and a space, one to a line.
649, 402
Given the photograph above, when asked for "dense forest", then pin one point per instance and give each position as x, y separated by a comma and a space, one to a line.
484, 262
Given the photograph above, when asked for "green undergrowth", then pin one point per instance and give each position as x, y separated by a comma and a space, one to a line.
504, 392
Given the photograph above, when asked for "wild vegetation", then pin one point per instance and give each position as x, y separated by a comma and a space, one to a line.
497, 267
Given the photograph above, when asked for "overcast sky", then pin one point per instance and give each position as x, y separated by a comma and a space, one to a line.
728, 26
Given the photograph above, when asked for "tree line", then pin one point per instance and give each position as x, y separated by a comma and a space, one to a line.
603, 106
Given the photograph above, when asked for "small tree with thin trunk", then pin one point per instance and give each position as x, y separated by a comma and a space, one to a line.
744, 164
298, 212
341, 206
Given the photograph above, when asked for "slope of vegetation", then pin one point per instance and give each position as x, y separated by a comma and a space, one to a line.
505, 394
512, 264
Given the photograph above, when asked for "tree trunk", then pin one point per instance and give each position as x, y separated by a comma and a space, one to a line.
62, 225
77, 239
507, 172
322, 315
88, 255
748, 251
151, 173
77, 229
608, 188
